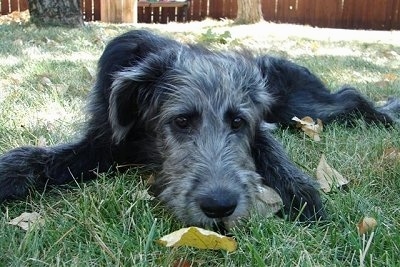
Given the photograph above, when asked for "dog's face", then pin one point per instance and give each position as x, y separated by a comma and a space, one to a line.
204, 110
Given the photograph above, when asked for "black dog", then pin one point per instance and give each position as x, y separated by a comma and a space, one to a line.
198, 116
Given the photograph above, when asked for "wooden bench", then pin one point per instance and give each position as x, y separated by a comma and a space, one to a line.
162, 11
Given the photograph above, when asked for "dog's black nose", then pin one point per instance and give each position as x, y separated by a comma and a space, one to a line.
219, 203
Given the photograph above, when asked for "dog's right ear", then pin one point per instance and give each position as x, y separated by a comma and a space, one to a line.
128, 71
136, 93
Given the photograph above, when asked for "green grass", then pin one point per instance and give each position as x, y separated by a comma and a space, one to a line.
104, 222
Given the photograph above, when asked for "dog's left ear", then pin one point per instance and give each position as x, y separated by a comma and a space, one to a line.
136, 94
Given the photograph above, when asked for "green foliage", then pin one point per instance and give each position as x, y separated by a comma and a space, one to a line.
210, 37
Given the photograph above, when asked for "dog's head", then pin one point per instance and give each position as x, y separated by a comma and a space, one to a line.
203, 110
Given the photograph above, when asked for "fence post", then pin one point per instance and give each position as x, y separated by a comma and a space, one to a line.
119, 11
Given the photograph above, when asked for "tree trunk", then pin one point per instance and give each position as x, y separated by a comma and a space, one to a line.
59, 12
249, 11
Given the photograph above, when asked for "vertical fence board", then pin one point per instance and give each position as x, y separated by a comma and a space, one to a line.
193, 10
309, 11
204, 9
346, 19
395, 23
4, 7
14, 5
216, 9
378, 17
268, 9
88, 10
293, 12
96, 10
180, 15
23, 5
326, 13
156, 15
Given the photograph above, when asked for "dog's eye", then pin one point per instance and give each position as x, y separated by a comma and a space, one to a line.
182, 122
237, 123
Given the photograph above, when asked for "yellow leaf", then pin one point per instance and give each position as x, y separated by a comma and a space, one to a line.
390, 77
367, 224
268, 202
26, 220
328, 177
309, 127
198, 238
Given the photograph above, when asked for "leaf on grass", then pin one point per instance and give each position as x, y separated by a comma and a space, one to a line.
390, 77
268, 202
367, 224
309, 127
151, 180
26, 220
41, 141
89, 72
328, 177
44, 80
391, 153
198, 238
182, 263
143, 195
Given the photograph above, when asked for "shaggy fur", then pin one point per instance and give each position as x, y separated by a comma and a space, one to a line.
198, 116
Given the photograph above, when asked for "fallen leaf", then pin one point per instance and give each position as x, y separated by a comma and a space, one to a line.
268, 202
309, 127
390, 77
46, 81
26, 220
198, 238
89, 72
151, 180
391, 153
143, 195
41, 141
328, 177
367, 224
182, 263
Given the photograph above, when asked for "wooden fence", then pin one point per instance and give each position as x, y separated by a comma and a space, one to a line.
349, 14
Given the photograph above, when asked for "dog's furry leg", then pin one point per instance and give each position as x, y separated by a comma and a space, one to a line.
25, 168
33, 167
299, 193
300, 93
392, 108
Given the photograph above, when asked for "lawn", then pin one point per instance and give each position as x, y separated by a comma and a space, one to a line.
45, 76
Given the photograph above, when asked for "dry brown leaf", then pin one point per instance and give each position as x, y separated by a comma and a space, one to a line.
367, 224
390, 77
268, 202
26, 220
328, 177
89, 72
151, 180
198, 238
182, 263
309, 127
391, 153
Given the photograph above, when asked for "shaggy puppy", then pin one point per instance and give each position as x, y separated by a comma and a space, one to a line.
198, 116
